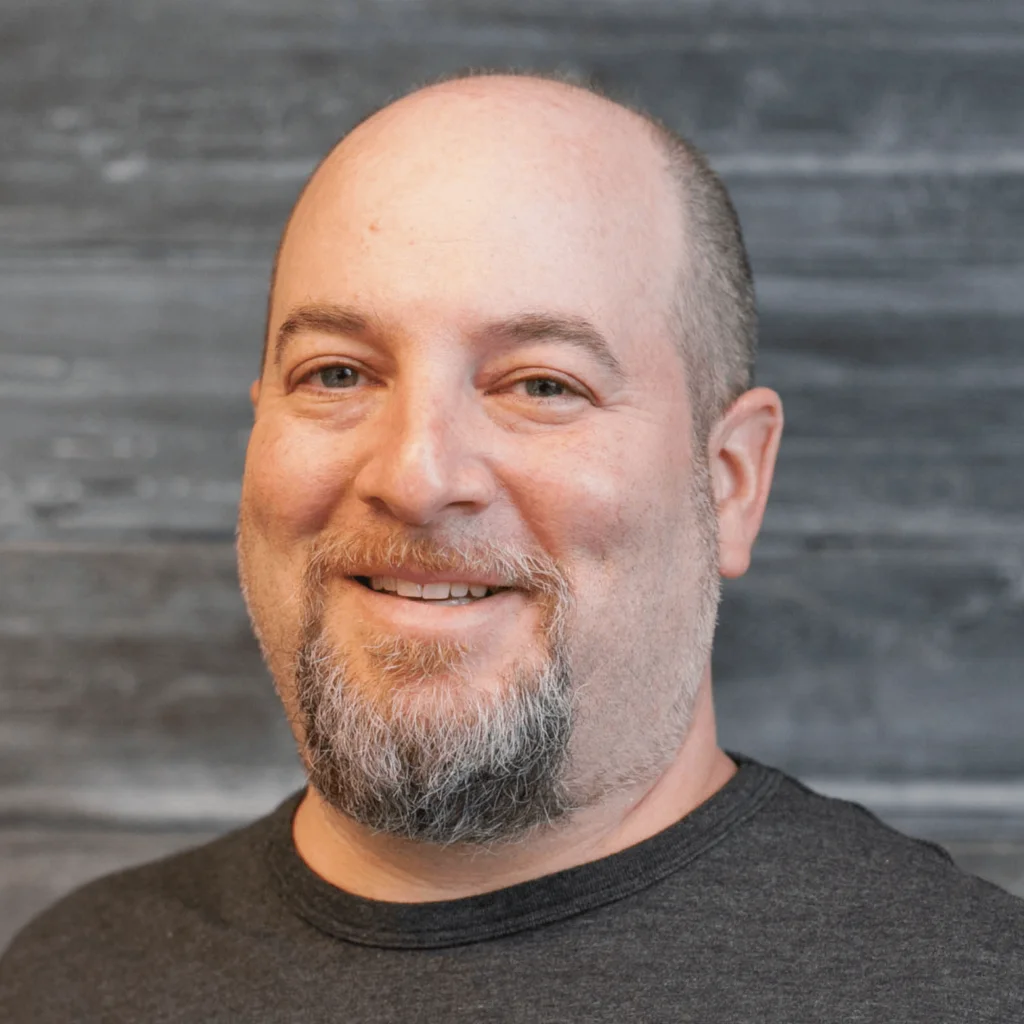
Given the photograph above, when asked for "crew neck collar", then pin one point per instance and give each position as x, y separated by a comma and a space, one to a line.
519, 907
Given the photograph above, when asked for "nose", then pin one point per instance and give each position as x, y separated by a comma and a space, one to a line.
425, 456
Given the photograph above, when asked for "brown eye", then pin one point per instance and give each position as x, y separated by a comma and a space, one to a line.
336, 376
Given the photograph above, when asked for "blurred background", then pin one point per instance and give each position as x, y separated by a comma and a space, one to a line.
151, 151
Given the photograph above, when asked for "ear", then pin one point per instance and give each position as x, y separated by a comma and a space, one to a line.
741, 449
254, 394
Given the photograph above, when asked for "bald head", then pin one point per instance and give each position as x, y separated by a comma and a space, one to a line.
495, 164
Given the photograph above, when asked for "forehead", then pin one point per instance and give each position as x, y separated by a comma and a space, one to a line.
469, 208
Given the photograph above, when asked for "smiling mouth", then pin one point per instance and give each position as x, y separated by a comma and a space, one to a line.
448, 594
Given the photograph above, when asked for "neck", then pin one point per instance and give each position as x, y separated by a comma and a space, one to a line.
399, 870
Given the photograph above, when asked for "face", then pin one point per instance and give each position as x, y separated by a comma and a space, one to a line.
471, 390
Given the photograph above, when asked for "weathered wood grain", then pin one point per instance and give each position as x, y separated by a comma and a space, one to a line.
895, 75
871, 200
885, 467
869, 662
150, 155
813, 224
191, 126
94, 325
130, 686
124, 411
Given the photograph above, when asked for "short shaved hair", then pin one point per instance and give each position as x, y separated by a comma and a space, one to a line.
713, 316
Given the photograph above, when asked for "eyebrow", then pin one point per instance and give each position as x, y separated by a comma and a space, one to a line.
569, 330
324, 320
522, 329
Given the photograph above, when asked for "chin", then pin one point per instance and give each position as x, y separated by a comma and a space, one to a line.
435, 690
443, 755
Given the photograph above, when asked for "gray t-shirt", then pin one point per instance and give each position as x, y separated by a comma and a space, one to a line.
769, 903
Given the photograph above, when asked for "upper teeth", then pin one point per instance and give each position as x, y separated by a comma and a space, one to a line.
428, 591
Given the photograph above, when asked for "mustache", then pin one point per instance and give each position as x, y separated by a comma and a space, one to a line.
350, 553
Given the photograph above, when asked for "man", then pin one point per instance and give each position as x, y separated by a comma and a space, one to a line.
505, 445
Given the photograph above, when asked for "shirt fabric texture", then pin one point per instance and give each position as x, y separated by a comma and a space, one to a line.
768, 903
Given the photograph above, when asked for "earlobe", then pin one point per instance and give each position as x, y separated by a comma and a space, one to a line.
254, 394
743, 449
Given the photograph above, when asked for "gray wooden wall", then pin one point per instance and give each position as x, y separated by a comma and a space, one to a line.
150, 152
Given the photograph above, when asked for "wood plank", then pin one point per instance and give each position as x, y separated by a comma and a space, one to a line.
947, 14
903, 491
96, 326
849, 466
796, 223
876, 663
124, 412
874, 153
92, 327
852, 463
192, 125
130, 686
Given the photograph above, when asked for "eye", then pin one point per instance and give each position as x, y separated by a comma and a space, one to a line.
334, 377
547, 387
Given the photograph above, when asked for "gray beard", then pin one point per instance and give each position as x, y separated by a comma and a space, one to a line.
453, 765
417, 751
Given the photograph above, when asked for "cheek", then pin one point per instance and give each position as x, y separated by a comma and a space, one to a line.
293, 480
289, 488
597, 504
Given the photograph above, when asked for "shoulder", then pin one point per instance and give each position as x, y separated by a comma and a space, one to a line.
831, 871
847, 849
106, 932
819, 829
833, 900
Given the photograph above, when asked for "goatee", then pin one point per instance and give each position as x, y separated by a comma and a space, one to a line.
419, 752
